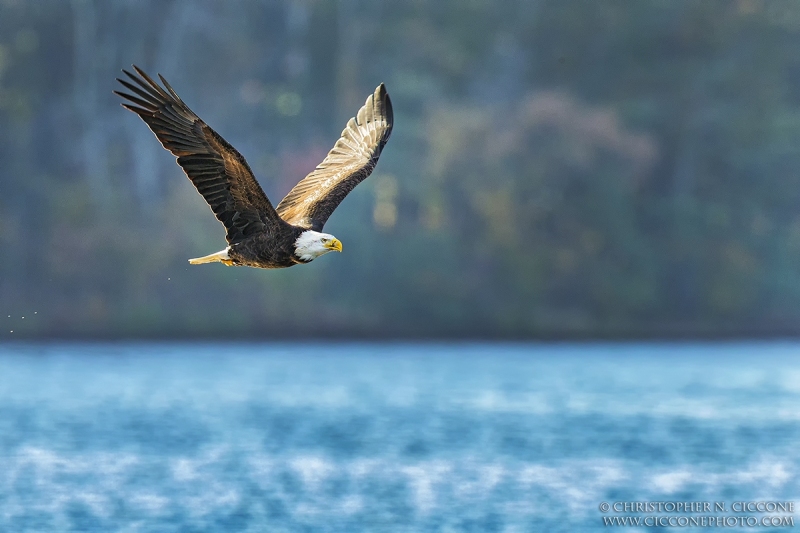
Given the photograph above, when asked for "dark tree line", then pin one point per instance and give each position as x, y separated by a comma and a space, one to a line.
557, 169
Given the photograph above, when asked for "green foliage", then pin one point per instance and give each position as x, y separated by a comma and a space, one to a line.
557, 169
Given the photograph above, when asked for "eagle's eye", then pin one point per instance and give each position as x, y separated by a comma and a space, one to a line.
324, 240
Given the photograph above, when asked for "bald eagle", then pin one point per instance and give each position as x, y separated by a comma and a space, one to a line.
258, 234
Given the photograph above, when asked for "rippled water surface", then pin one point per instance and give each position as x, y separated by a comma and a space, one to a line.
407, 438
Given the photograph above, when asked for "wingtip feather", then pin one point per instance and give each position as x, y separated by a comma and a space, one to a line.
382, 95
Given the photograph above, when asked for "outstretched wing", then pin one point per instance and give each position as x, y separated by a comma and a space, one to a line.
311, 202
217, 170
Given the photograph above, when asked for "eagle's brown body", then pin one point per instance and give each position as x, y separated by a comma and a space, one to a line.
258, 234
267, 249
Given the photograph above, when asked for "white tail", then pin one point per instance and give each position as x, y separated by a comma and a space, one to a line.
219, 257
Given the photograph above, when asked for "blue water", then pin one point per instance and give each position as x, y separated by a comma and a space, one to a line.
400, 438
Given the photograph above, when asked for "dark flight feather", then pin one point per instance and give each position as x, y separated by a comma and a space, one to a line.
220, 174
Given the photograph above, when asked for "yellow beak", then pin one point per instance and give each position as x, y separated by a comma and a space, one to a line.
334, 245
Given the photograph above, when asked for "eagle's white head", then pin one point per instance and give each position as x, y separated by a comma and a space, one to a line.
312, 244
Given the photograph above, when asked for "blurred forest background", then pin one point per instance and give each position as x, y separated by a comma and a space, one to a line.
558, 169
